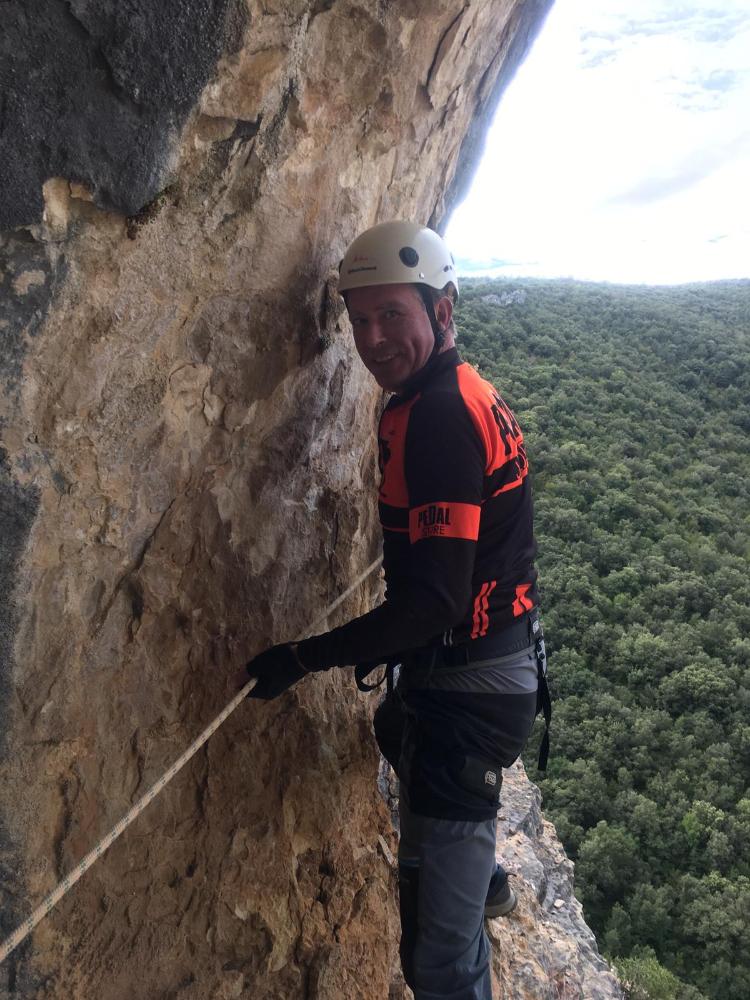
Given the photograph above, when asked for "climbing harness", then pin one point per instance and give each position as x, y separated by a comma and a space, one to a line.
48, 904
543, 700
476, 654
363, 670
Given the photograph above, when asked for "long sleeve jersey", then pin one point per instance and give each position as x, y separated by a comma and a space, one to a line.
456, 513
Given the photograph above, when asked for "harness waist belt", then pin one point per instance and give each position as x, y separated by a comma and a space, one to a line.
520, 635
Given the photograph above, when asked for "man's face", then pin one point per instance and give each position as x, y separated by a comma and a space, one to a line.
392, 332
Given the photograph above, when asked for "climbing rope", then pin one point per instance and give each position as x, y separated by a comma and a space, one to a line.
48, 904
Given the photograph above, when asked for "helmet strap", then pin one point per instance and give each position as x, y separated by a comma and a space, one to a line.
438, 333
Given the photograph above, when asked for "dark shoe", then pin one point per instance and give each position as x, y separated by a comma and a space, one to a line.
500, 897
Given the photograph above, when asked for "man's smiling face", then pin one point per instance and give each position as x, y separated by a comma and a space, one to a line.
392, 332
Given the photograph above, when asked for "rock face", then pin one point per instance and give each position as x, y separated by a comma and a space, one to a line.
186, 471
517, 296
98, 90
543, 948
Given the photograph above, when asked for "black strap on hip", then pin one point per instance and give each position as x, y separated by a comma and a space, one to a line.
431, 654
543, 700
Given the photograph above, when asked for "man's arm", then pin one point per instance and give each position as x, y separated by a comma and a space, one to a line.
444, 464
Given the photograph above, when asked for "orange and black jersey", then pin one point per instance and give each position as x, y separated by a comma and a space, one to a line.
455, 502
455, 507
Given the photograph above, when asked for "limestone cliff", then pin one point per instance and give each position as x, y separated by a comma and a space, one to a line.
186, 472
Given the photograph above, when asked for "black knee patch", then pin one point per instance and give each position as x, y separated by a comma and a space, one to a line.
408, 901
388, 723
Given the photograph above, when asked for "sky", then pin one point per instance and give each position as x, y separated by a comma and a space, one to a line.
621, 149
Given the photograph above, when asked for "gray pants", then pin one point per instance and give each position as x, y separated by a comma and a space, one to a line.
445, 865
445, 868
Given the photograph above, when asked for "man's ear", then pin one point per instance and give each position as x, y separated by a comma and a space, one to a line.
444, 312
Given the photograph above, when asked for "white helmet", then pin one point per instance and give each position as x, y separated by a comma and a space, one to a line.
397, 253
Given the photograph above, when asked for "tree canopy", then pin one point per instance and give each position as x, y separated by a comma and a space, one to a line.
635, 405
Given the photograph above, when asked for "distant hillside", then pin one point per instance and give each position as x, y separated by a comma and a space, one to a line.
635, 403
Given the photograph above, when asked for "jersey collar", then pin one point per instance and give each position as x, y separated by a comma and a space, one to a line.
434, 366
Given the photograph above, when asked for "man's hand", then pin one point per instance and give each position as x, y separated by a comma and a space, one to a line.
277, 669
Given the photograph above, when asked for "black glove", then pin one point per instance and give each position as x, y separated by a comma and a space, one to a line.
277, 669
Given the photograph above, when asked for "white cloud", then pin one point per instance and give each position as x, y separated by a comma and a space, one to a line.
621, 150
687, 171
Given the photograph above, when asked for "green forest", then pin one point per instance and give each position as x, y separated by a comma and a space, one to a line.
635, 405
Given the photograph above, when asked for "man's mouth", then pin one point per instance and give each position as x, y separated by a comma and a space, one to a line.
383, 359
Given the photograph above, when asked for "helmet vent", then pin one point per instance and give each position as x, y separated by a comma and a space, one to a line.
408, 256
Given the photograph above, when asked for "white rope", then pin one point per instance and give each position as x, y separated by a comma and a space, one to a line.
48, 904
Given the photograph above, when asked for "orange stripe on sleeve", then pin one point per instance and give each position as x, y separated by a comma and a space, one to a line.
477, 623
481, 621
522, 602
485, 606
444, 520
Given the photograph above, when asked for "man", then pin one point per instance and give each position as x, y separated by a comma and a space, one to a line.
460, 607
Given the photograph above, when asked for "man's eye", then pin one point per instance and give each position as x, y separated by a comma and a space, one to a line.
391, 313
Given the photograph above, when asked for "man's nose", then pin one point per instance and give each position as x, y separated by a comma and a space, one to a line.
373, 334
